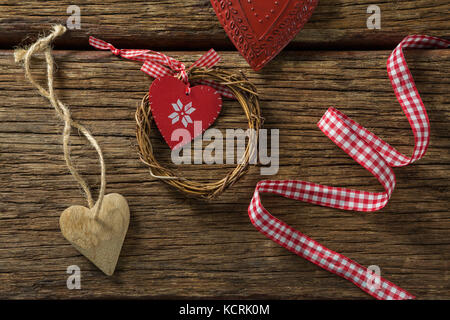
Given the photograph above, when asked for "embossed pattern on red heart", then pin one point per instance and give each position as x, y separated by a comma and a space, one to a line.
173, 109
261, 29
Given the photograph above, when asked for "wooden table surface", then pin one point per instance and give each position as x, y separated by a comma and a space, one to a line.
178, 247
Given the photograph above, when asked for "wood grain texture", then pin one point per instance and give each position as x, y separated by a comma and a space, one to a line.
178, 247
192, 24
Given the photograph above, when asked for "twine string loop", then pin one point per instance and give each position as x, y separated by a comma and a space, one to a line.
63, 112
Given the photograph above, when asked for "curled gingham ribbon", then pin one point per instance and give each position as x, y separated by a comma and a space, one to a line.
373, 154
155, 63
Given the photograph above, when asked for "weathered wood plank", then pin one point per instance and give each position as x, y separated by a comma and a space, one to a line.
179, 247
192, 24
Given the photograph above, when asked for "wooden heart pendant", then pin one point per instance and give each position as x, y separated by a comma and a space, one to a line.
100, 240
173, 109
260, 29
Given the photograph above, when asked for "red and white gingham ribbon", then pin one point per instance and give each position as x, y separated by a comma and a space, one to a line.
373, 154
155, 63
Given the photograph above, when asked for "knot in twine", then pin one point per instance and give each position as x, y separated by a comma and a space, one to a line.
24, 55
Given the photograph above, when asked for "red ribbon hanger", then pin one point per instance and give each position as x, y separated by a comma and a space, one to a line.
158, 65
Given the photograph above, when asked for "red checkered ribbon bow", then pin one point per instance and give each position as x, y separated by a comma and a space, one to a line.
373, 154
159, 65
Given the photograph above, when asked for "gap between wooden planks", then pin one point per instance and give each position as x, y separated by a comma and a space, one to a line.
192, 24
178, 247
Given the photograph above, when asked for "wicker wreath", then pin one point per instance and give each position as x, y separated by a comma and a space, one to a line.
246, 95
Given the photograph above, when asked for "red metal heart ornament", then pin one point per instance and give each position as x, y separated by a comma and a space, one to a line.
260, 29
172, 108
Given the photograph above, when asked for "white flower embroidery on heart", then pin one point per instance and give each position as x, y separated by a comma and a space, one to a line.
183, 112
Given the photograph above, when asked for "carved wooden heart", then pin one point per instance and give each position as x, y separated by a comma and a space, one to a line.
260, 29
100, 240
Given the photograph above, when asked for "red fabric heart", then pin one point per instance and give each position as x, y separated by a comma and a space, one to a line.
261, 29
173, 109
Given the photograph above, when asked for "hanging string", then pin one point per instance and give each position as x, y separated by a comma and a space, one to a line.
24, 55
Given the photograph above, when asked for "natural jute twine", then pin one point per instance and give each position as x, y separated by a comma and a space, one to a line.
245, 93
44, 45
